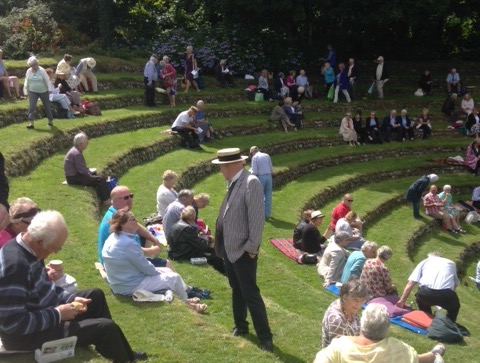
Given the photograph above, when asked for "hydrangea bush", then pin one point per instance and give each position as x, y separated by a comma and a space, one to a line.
244, 56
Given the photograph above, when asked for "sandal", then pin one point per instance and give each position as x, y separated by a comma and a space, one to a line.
438, 349
194, 300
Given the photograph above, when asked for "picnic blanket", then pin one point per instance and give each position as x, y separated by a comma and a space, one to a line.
285, 245
396, 320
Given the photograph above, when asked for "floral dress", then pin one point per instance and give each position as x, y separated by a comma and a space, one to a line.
376, 276
336, 324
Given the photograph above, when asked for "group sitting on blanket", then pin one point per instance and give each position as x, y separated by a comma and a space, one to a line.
348, 338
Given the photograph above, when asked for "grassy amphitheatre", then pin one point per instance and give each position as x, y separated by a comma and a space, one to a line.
312, 168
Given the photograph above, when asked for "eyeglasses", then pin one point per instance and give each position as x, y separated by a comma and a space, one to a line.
127, 197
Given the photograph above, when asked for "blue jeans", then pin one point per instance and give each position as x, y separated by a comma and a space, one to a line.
266, 180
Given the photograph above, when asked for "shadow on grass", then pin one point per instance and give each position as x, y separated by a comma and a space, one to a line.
278, 223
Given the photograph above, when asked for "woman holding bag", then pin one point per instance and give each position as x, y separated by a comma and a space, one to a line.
190, 66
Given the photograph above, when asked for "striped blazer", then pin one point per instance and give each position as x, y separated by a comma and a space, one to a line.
243, 218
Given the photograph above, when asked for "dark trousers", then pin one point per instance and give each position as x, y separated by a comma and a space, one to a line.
96, 181
426, 131
189, 138
149, 93
405, 133
32, 105
267, 94
95, 327
416, 208
242, 277
447, 299
297, 120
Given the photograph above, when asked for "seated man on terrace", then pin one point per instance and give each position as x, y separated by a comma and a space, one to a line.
425, 83
453, 81
122, 198
407, 127
183, 125
302, 81
340, 211
279, 115
293, 113
373, 345
84, 71
351, 224
174, 210
224, 75
208, 133
21, 214
434, 208
334, 258
166, 194
187, 242
77, 172
8, 81
34, 311
390, 124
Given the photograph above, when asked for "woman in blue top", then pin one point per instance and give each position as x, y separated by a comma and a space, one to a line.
127, 268
329, 76
454, 214
37, 85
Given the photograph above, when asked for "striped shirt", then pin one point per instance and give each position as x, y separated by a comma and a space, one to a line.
432, 203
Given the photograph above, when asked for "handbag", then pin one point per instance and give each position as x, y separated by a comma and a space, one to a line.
444, 329
330, 93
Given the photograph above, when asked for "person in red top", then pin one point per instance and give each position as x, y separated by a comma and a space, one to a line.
434, 208
338, 212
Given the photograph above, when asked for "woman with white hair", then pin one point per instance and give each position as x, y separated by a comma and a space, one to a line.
376, 275
37, 85
190, 66
347, 130
77, 172
21, 214
453, 212
373, 345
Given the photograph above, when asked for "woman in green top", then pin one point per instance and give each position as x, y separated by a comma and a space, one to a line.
37, 85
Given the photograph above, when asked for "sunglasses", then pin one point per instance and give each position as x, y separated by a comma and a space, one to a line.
127, 197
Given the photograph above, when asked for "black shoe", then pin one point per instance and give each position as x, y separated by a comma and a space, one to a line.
30, 127
139, 356
239, 332
50, 124
267, 346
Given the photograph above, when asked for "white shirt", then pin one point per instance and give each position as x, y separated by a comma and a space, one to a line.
379, 71
182, 120
261, 164
477, 278
436, 273
343, 226
165, 196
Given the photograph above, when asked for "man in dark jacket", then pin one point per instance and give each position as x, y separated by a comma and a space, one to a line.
414, 192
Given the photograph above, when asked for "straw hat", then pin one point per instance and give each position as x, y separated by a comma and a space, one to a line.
230, 155
91, 62
317, 214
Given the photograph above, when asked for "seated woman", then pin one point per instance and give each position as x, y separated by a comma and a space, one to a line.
127, 268
425, 83
9, 81
61, 98
65, 67
294, 115
312, 241
347, 130
424, 124
185, 242
279, 115
183, 125
473, 123
223, 75
165, 193
351, 224
77, 173
373, 345
21, 214
280, 86
472, 159
376, 276
263, 85
342, 317
446, 197
359, 128
372, 128
407, 126
467, 104
298, 231
292, 85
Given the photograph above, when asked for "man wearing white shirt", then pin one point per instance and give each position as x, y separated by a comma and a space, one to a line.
437, 280
381, 76
262, 169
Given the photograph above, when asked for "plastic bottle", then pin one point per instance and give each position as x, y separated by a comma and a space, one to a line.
169, 295
198, 261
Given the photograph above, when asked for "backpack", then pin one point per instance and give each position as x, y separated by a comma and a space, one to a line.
92, 108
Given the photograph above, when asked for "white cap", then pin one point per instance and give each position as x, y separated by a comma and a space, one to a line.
433, 177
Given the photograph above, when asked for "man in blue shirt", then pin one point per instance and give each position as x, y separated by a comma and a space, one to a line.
453, 81
122, 198
262, 169
150, 75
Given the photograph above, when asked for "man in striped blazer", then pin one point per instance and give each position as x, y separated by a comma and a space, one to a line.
237, 240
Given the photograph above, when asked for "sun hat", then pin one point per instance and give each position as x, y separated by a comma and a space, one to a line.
91, 62
433, 177
230, 155
317, 214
